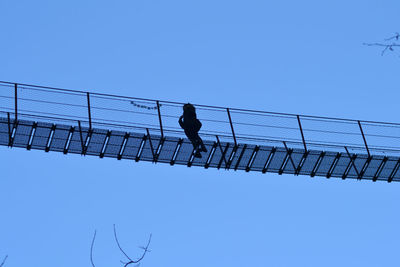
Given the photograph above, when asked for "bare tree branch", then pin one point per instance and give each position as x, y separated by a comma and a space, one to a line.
4, 261
119, 246
145, 250
395, 37
91, 249
130, 260
387, 46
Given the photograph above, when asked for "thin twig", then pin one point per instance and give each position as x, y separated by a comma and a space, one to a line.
145, 250
396, 37
5, 258
91, 249
119, 246
386, 46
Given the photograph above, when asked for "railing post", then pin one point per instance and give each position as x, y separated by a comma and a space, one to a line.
9, 128
81, 137
89, 111
159, 119
151, 144
222, 151
363, 136
302, 134
352, 162
230, 122
289, 153
16, 101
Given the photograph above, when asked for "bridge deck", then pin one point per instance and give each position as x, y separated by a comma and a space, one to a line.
173, 150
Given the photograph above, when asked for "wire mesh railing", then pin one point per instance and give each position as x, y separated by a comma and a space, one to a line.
47, 104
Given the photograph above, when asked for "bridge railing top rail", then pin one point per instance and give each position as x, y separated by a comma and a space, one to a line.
112, 96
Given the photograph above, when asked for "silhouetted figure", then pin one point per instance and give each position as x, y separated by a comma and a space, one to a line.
189, 122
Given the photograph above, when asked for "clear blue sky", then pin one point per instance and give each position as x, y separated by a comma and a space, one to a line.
285, 56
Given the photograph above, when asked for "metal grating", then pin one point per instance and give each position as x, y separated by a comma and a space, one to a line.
96, 142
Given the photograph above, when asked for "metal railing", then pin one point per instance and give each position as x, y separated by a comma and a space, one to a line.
49, 104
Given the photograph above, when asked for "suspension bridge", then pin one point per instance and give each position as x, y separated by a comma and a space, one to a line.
138, 129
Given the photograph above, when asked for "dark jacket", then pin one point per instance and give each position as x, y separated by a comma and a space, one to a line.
190, 124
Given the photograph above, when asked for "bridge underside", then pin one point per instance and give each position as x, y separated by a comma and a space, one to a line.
173, 150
